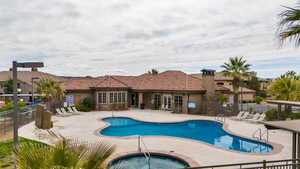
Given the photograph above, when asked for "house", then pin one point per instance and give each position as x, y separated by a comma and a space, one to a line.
170, 90
25, 80
246, 94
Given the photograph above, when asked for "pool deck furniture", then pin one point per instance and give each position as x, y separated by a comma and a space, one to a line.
86, 127
74, 109
70, 110
60, 113
63, 110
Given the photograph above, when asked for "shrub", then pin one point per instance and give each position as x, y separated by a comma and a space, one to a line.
258, 99
88, 102
272, 115
83, 108
294, 116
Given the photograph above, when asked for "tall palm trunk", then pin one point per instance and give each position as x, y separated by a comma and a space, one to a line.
235, 86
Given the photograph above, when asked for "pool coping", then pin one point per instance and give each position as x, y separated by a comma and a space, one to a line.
181, 157
277, 148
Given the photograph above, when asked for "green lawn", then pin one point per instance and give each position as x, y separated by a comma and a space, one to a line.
6, 153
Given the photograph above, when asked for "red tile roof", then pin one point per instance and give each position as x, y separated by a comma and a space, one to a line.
80, 83
168, 81
109, 82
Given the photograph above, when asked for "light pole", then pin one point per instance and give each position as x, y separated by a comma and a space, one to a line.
15, 66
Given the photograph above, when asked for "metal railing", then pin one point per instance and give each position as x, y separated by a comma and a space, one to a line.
25, 116
220, 117
275, 164
261, 135
145, 152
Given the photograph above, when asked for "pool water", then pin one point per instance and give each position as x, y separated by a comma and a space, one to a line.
202, 130
156, 162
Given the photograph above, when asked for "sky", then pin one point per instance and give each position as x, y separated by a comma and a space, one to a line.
129, 37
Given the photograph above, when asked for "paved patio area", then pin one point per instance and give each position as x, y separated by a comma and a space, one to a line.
86, 125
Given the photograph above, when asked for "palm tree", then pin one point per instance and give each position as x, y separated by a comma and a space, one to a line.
51, 89
237, 68
289, 27
65, 154
287, 88
153, 72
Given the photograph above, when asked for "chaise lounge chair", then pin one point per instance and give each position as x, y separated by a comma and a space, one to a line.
59, 112
260, 118
63, 110
70, 110
239, 116
75, 110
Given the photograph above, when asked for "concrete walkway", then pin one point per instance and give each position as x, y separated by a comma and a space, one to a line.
86, 125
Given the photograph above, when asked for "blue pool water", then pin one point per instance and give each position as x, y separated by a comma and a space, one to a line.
206, 131
156, 162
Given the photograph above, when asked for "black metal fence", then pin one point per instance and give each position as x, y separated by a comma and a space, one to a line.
275, 164
25, 116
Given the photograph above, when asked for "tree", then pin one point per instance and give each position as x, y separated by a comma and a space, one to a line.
289, 27
8, 87
291, 74
65, 154
153, 72
287, 88
237, 68
223, 98
51, 89
255, 84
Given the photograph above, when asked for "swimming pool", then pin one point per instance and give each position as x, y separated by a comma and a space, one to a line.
202, 130
138, 161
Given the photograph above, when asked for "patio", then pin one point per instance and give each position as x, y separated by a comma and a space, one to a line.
86, 127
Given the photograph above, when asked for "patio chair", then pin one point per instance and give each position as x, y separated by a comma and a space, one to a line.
59, 112
63, 110
70, 110
239, 116
245, 115
262, 117
75, 110
256, 116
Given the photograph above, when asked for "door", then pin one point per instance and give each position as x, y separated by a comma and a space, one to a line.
178, 103
157, 102
167, 102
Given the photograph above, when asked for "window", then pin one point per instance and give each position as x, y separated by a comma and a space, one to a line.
119, 97
115, 97
111, 97
101, 98
123, 97
178, 103
220, 83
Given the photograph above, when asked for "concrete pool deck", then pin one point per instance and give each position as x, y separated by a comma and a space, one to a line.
86, 126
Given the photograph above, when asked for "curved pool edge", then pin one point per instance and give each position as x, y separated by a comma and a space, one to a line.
177, 156
277, 148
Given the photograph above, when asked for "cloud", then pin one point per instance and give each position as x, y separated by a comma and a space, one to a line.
75, 37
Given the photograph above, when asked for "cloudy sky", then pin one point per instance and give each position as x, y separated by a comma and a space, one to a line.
97, 37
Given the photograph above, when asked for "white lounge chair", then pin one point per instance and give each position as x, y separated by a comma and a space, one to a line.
239, 116
260, 118
63, 110
256, 116
75, 110
70, 110
59, 112
245, 115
